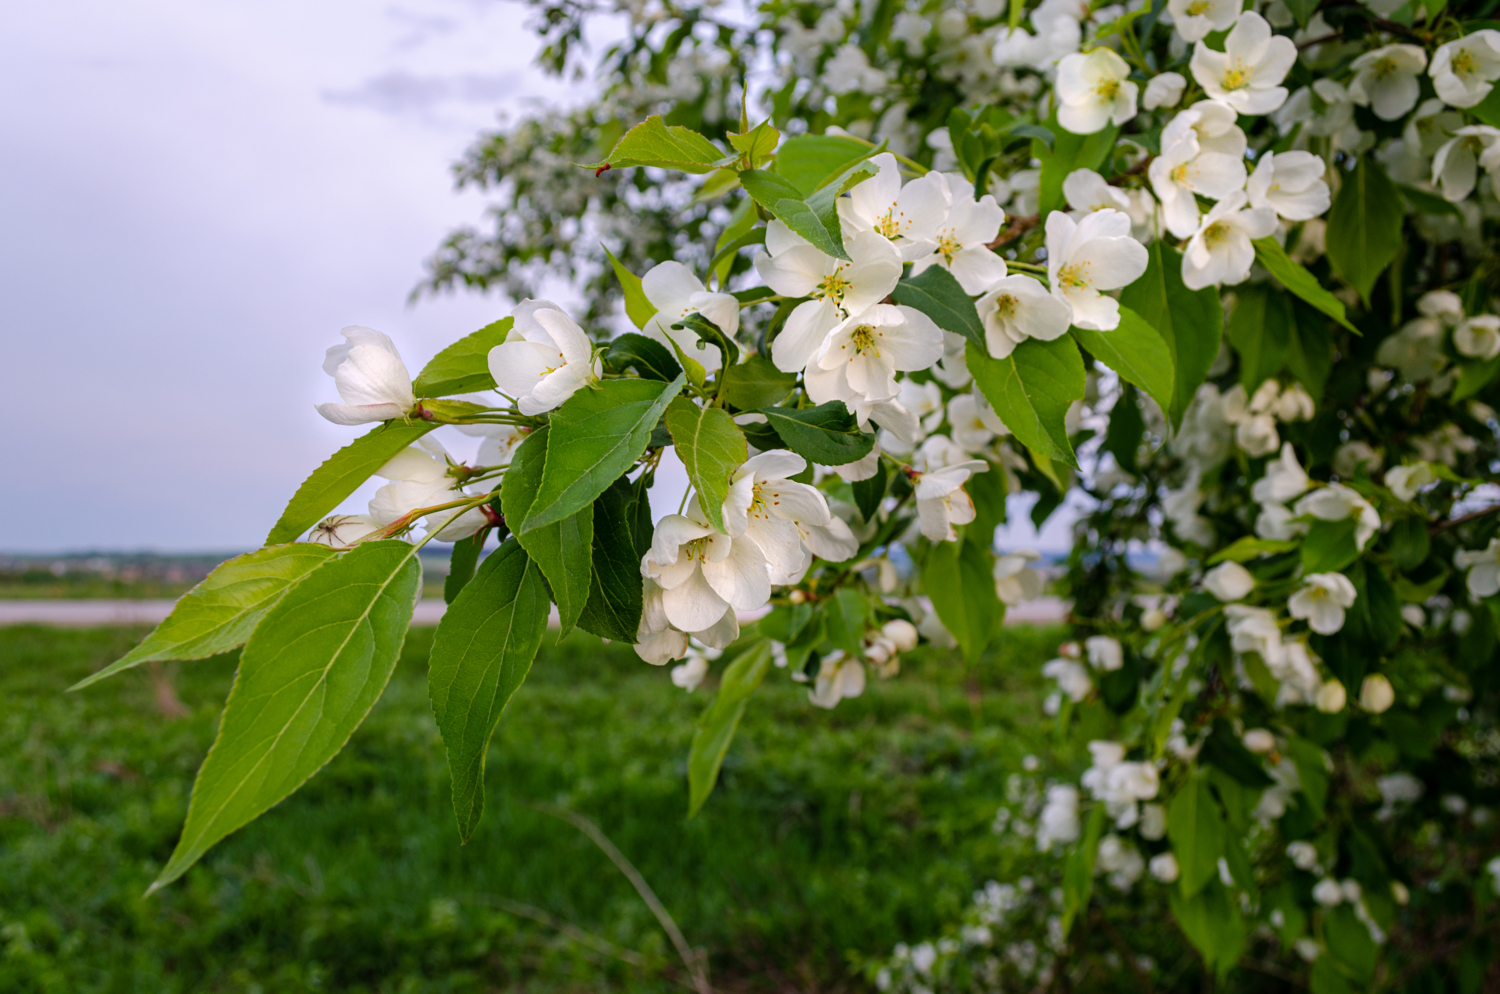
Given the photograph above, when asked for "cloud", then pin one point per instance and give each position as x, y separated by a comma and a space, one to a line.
399, 92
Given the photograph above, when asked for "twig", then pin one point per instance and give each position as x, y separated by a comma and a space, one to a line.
1330, 36
567, 928
690, 959
1463, 520
1018, 227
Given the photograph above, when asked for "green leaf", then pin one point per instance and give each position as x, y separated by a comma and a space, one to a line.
869, 493
613, 610
1349, 941
1223, 748
755, 383
654, 143
594, 438
1364, 227
1127, 426
1312, 771
827, 434
480, 656
1213, 924
1069, 152
1310, 351
958, 578
1329, 546
740, 234
1190, 321
1325, 978
648, 357
341, 474
309, 674
563, 550
846, 612
711, 334
220, 613
717, 724
1249, 547
1137, 352
638, 308
785, 202
1197, 832
1428, 203
937, 294
1302, 10
1031, 390
1409, 542
757, 144
464, 366
1488, 109
1260, 329
1475, 377
711, 447
1078, 871
1296, 278
462, 563
810, 162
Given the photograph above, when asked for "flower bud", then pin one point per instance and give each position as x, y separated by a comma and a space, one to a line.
1164, 867
1376, 694
901, 632
1331, 697
1259, 740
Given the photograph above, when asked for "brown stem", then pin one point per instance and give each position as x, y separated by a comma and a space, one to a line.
1018, 227
1463, 520
1330, 36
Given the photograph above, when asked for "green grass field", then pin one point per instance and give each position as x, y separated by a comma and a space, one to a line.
830, 836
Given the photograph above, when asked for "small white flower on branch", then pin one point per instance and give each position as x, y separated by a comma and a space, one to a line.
1247, 75
676, 291
1220, 251
545, 360
1464, 71
1163, 90
1385, 80
1291, 184
370, 378
1093, 90
1087, 257
1017, 308
1322, 601
962, 239
942, 501
908, 215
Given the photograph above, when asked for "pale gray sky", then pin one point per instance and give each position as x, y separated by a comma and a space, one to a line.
196, 197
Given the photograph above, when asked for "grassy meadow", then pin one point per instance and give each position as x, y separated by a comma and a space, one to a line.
831, 836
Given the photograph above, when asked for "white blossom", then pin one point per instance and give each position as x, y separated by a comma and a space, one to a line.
370, 377
1322, 601
1105, 654
1416, 350
908, 215
1183, 171
676, 291
1090, 256
1164, 90
1228, 581
703, 574
1015, 580
1086, 191
1304, 855
1196, 19
1259, 740
544, 360
974, 422
1405, 481
838, 288
1291, 184
1478, 337
1330, 697
1220, 251
1017, 308
942, 501
962, 238
860, 356
1484, 569
1463, 71
849, 70
1072, 677
1058, 822
1285, 478
1094, 89
839, 676
1247, 75
783, 518
1164, 867
1385, 80
1455, 167
1336, 502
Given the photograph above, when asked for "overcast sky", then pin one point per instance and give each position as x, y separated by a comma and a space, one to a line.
196, 197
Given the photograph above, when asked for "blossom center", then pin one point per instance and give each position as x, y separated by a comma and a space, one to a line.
1197, 8
833, 286
948, 247
697, 549
1179, 174
1383, 68
1073, 276
864, 341
1107, 89
1236, 77
1215, 233
1463, 62
888, 225
1005, 306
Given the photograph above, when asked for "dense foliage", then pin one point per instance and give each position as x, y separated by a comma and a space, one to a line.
1219, 271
